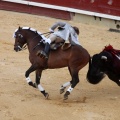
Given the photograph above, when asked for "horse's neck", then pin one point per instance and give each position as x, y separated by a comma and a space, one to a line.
32, 39
31, 44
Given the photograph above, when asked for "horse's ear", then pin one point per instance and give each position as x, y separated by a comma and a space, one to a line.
19, 28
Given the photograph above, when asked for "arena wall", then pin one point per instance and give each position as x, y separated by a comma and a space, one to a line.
99, 12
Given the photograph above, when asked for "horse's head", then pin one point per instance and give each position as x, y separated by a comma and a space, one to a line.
20, 40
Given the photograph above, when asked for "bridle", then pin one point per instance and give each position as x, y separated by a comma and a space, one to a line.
20, 36
24, 47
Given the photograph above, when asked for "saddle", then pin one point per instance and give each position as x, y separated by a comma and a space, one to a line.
64, 46
60, 43
54, 46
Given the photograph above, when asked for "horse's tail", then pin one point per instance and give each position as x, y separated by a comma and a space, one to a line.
92, 76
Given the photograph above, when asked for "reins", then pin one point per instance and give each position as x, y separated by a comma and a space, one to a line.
47, 33
25, 46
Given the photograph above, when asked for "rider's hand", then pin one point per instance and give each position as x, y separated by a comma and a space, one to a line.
52, 31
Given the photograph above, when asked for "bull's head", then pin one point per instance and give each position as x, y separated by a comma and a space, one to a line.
101, 64
111, 69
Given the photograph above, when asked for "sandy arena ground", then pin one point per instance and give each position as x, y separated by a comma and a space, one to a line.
19, 101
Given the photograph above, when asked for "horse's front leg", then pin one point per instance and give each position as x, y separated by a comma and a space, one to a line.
38, 85
38, 74
30, 70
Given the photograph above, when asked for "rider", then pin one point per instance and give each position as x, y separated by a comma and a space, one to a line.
65, 31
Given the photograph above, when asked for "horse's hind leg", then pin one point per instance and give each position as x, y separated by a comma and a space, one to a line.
38, 85
62, 88
74, 82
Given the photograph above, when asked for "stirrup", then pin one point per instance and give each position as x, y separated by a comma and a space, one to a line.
42, 54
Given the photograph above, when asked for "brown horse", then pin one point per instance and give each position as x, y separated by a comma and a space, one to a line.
75, 58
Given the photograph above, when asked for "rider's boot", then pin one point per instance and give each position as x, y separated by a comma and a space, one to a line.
44, 53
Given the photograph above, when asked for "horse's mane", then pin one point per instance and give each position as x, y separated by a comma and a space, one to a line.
30, 29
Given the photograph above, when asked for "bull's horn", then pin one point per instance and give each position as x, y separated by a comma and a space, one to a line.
104, 57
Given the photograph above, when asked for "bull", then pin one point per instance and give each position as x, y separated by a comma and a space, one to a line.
107, 63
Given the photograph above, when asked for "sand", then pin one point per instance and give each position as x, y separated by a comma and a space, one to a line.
19, 101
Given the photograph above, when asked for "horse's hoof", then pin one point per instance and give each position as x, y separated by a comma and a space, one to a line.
35, 85
66, 95
46, 95
62, 90
30, 83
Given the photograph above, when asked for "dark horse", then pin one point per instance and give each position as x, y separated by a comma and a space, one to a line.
75, 58
106, 62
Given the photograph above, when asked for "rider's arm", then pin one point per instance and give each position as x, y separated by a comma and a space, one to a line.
57, 24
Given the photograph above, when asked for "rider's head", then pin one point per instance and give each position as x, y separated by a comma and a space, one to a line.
76, 29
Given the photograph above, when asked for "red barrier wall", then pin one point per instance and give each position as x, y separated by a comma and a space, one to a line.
14, 7
100, 6
35, 10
